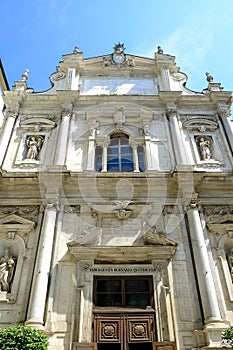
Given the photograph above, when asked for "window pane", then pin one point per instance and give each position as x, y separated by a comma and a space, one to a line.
137, 293
113, 150
137, 300
114, 141
110, 299
108, 293
126, 150
137, 286
124, 141
98, 158
141, 161
127, 164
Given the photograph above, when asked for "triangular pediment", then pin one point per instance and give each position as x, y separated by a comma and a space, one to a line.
15, 220
153, 238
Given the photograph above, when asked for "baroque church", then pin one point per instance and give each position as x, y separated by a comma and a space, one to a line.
116, 205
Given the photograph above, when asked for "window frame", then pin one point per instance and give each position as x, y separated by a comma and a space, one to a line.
123, 292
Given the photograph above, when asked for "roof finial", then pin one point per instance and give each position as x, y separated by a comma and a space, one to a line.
76, 49
25, 75
160, 50
209, 77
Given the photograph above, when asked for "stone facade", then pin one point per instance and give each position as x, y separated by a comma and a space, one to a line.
116, 212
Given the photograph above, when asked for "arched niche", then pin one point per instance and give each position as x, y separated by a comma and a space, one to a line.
13, 236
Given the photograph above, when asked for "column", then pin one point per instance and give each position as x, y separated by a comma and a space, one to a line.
37, 301
105, 157
62, 139
91, 154
179, 149
202, 264
134, 145
6, 133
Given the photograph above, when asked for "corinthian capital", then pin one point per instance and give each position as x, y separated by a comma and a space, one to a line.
12, 112
193, 202
171, 112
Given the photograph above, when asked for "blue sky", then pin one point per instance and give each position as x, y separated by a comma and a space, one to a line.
35, 34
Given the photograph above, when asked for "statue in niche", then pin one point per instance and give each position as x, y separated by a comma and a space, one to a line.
7, 265
204, 146
230, 262
34, 144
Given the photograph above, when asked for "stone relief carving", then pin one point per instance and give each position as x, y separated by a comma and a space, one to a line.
118, 58
171, 209
153, 236
122, 212
27, 211
72, 209
218, 210
94, 128
58, 76
199, 124
7, 266
34, 144
146, 129
38, 123
119, 117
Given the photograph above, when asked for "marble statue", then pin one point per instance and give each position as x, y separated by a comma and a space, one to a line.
34, 144
7, 266
204, 145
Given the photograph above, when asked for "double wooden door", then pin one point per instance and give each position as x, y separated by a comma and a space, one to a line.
124, 331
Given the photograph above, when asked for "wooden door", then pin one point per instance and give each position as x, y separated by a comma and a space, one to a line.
164, 345
124, 331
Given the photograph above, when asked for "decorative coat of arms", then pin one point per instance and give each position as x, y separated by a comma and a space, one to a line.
118, 57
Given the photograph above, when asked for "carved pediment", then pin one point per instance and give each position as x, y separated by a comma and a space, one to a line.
15, 223
154, 238
221, 224
200, 124
37, 124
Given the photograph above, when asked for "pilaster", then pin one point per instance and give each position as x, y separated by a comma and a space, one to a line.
62, 137
11, 116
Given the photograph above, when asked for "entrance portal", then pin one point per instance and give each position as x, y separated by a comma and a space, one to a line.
124, 331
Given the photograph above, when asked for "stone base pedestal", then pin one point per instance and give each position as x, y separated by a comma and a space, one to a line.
35, 324
213, 333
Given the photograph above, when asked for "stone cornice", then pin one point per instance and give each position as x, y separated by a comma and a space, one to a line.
123, 254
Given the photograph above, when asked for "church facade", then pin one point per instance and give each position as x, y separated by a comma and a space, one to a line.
116, 214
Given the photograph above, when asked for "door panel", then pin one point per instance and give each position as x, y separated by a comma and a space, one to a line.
108, 329
139, 328
127, 330
164, 345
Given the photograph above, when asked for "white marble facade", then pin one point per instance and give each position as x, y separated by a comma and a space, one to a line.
118, 171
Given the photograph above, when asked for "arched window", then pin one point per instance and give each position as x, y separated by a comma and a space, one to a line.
119, 155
